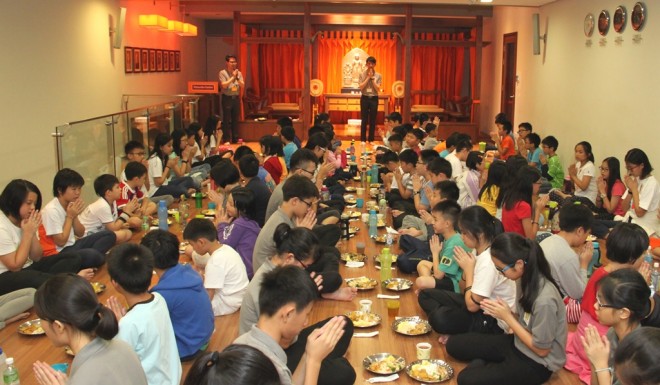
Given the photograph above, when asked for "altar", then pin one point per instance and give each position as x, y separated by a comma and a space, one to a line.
351, 103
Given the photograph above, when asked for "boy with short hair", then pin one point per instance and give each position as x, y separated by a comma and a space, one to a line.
503, 140
135, 152
402, 181
569, 269
285, 121
225, 277
431, 136
551, 168
422, 182
61, 223
248, 166
443, 272
131, 188
182, 288
524, 129
532, 143
458, 157
395, 143
146, 325
298, 208
413, 140
103, 214
286, 299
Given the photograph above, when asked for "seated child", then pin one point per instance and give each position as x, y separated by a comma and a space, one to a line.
458, 157
236, 364
135, 152
450, 144
551, 167
396, 143
414, 139
625, 245
442, 272
103, 214
146, 325
61, 223
288, 134
431, 138
300, 354
532, 143
569, 269
131, 187
225, 277
416, 231
490, 191
182, 288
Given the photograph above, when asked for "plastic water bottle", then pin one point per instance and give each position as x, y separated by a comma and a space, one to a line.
385, 265
648, 258
162, 215
145, 223
389, 240
374, 174
373, 224
655, 277
363, 148
351, 150
10, 375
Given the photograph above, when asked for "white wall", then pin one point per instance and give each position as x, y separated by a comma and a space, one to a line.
58, 66
607, 95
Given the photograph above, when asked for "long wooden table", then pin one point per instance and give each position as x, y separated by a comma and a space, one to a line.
28, 349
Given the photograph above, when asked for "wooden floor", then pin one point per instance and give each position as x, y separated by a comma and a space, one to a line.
27, 349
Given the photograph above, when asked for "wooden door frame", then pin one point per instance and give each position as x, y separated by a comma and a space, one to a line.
508, 39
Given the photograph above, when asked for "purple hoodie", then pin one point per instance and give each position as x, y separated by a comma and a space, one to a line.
241, 234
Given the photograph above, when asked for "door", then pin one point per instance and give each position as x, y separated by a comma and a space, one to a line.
508, 96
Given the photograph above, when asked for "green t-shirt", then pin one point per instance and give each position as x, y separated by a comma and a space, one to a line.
556, 171
446, 262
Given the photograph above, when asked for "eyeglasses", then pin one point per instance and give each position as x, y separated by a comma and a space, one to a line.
309, 204
505, 268
307, 171
601, 305
604, 169
304, 266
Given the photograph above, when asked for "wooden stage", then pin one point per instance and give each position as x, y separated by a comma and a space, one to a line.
27, 349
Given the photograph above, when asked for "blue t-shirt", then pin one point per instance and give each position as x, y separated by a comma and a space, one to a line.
423, 199
444, 153
289, 149
535, 157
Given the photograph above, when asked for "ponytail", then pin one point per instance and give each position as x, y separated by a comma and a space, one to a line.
107, 326
511, 247
299, 241
477, 221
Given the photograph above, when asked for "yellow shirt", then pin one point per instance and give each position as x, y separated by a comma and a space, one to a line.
487, 200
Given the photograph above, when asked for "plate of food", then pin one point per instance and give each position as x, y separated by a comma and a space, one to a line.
350, 200
31, 328
98, 287
154, 222
384, 363
353, 229
398, 284
430, 370
208, 213
362, 283
375, 185
353, 257
382, 238
363, 319
411, 326
354, 214
172, 211
377, 258
351, 189
380, 223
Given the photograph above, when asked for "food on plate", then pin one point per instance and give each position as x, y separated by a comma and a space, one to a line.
362, 283
430, 371
412, 328
388, 365
98, 287
154, 222
399, 284
363, 319
349, 257
31, 328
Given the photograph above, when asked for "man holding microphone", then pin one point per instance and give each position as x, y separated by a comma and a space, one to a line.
231, 81
369, 83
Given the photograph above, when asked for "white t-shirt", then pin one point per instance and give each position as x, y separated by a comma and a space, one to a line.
489, 283
456, 166
649, 200
155, 171
225, 273
587, 170
53, 216
97, 215
147, 328
10, 238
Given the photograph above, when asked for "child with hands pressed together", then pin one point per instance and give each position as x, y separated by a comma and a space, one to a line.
518, 215
535, 347
643, 196
160, 166
21, 257
621, 303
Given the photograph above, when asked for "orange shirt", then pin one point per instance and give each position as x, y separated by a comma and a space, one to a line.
508, 148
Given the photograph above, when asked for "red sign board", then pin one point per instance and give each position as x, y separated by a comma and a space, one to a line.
197, 87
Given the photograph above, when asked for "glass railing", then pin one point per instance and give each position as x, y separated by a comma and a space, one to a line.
95, 146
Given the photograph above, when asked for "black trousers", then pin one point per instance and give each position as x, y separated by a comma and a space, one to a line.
335, 369
368, 111
448, 314
327, 265
414, 251
92, 248
494, 360
39, 272
231, 109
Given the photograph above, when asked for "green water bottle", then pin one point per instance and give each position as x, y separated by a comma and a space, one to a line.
10, 375
385, 265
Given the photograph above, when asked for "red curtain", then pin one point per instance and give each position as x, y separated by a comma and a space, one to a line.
277, 66
437, 69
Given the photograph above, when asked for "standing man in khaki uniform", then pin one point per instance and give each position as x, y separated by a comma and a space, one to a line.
231, 81
369, 83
